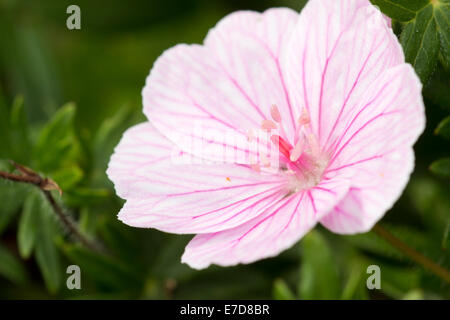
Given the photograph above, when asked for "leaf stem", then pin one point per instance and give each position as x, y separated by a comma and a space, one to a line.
412, 253
45, 185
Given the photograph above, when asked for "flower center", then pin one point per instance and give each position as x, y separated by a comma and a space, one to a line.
303, 162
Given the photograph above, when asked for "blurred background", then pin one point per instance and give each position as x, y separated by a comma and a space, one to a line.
66, 96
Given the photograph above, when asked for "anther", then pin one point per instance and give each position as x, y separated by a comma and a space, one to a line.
275, 113
296, 152
268, 125
304, 117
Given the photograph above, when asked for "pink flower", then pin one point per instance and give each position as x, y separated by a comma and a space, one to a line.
332, 83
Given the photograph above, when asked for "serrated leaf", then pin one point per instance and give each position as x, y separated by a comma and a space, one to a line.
441, 167
281, 290
319, 277
442, 16
11, 267
443, 129
29, 224
420, 41
400, 10
58, 145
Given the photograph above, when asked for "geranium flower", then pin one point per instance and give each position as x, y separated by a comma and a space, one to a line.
332, 90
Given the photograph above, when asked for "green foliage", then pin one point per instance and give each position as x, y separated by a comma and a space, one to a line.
425, 32
281, 290
11, 267
441, 167
443, 129
401, 10
29, 220
319, 277
57, 145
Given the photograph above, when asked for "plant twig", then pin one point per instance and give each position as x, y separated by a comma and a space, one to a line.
46, 185
412, 253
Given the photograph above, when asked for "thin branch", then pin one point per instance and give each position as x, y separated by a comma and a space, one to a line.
46, 185
412, 253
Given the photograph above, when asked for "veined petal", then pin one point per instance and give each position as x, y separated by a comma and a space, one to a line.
185, 195
229, 84
281, 225
376, 149
379, 184
338, 49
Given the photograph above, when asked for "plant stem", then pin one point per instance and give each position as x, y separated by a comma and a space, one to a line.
412, 253
45, 185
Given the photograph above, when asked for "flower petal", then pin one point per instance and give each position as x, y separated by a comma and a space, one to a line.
281, 225
376, 150
364, 102
338, 49
184, 195
380, 183
229, 84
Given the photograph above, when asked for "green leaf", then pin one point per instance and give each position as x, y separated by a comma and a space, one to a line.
430, 200
85, 196
319, 278
19, 138
105, 140
57, 145
67, 177
29, 224
420, 41
372, 243
5, 150
104, 270
443, 128
396, 281
14, 139
415, 294
46, 252
425, 32
12, 196
442, 16
11, 267
441, 167
281, 291
355, 285
400, 10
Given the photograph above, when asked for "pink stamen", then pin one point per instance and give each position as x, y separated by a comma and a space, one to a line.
283, 146
296, 152
268, 125
313, 144
275, 113
304, 117
250, 135
265, 160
